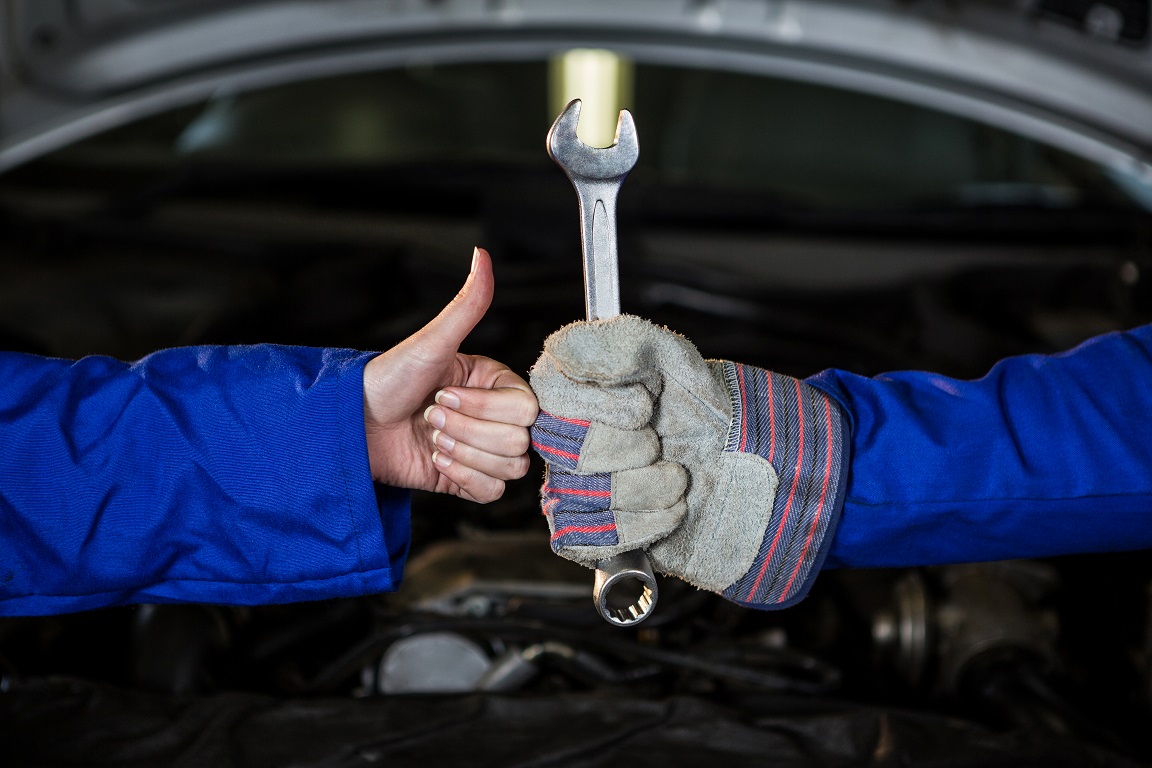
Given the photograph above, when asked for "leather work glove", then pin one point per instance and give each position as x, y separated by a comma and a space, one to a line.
730, 476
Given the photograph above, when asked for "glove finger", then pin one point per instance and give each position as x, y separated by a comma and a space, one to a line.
622, 349
627, 406
658, 486
583, 446
650, 503
579, 514
587, 527
586, 540
607, 449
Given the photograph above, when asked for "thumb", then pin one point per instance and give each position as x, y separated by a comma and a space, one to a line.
447, 330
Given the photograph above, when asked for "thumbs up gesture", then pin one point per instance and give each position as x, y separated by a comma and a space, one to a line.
438, 420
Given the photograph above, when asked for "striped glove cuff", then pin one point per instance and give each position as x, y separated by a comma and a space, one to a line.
801, 432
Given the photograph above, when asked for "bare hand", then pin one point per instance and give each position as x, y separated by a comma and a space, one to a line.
438, 420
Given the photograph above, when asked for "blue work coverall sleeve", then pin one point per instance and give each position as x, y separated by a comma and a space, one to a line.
1045, 455
205, 474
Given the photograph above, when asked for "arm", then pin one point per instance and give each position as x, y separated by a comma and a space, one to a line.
1045, 455
220, 474
244, 474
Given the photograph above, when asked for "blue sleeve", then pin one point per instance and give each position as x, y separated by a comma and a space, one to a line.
209, 474
1045, 455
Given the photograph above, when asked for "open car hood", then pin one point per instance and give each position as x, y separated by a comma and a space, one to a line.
1076, 78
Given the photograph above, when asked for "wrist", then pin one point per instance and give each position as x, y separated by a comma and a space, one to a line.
803, 434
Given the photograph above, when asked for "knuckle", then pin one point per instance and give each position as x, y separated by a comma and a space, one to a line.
464, 428
516, 467
492, 491
521, 442
528, 411
482, 487
523, 464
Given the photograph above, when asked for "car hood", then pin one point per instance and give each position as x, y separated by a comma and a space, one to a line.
1080, 81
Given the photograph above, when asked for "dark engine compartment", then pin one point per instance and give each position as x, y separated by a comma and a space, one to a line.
1017, 663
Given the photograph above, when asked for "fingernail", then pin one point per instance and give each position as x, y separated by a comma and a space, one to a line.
441, 460
448, 399
442, 441
475, 258
434, 416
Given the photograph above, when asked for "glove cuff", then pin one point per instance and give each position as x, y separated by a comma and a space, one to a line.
803, 433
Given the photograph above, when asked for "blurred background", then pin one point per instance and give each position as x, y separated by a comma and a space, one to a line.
870, 186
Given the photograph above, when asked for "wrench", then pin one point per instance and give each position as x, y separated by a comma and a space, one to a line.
597, 175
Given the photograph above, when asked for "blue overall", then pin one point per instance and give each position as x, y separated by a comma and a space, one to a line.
1045, 455
240, 474
206, 474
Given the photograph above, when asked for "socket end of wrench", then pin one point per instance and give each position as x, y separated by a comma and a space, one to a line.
625, 591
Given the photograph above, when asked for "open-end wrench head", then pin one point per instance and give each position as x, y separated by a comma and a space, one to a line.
579, 159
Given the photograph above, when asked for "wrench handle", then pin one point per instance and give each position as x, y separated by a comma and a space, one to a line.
598, 237
625, 590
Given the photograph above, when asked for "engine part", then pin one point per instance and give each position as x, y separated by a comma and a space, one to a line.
436, 662
902, 632
495, 575
942, 636
179, 648
447, 662
993, 610
510, 671
597, 175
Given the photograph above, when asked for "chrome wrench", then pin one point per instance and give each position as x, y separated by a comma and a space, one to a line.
597, 175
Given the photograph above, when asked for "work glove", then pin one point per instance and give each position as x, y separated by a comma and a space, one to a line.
731, 477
